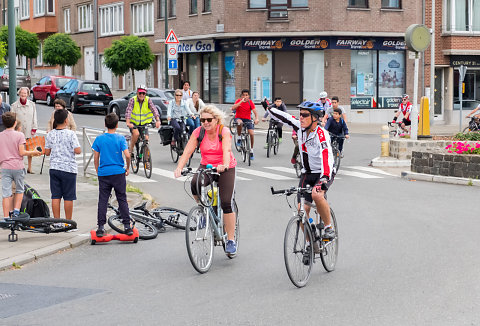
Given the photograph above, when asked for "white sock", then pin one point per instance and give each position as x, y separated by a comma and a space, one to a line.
328, 226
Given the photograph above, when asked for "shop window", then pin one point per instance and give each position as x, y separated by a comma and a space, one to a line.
391, 78
207, 5
358, 3
192, 71
313, 74
260, 75
462, 16
193, 7
229, 78
391, 4
363, 79
471, 96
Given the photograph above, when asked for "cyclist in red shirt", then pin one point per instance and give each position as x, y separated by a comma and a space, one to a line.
406, 108
244, 107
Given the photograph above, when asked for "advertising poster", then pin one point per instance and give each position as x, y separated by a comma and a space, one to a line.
229, 78
391, 71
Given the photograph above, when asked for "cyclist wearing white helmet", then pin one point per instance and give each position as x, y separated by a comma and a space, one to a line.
406, 108
325, 103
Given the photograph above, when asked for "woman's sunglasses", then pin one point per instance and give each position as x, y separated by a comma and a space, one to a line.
178, 95
305, 115
202, 120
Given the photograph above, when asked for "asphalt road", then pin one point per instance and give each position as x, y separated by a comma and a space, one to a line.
407, 256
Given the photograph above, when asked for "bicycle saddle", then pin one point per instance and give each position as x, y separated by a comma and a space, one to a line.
141, 206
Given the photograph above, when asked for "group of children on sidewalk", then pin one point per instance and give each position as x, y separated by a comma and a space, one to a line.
61, 145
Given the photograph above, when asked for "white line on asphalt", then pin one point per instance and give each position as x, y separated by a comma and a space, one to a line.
370, 169
358, 174
264, 174
281, 168
167, 174
138, 179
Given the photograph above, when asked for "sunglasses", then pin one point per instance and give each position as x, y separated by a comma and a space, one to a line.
178, 95
141, 93
202, 120
305, 115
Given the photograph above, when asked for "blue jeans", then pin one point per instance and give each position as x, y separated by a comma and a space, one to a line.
191, 125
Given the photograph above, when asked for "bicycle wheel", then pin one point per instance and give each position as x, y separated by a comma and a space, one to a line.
174, 154
269, 142
147, 161
330, 248
296, 252
276, 143
135, 163
466, 130
248, 148
232, 125
244, 148
145, 229
235, 140
49, 225
172, 216
298, 168
199, 239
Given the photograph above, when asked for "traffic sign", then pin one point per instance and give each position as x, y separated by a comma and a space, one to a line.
172, 72
172, 64
172, 51
171, 38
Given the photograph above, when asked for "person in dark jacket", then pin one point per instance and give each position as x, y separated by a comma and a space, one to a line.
337, 126
4, 107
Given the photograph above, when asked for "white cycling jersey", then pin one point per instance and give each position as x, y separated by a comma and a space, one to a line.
315, 146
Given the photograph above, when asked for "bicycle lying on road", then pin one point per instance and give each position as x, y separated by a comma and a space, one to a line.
298, 251
36, 224
205, 227
145, 229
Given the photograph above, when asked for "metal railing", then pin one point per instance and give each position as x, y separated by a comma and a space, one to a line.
86, 138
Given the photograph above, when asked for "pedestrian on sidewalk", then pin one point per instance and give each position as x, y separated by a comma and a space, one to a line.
61, 145
111, 171
60, 104
27, 115
4, 107
12, 144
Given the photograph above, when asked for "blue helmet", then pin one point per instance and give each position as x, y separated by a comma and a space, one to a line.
314, 108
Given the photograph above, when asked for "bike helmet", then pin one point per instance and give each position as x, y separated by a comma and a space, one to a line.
142, 87
405, 96
314, 108
323, 94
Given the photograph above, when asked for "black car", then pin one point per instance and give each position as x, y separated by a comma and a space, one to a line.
82, 95
159, 97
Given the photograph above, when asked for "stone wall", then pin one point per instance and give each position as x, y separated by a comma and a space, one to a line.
446, 164
402, 148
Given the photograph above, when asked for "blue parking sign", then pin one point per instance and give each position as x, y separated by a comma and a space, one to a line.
172, 64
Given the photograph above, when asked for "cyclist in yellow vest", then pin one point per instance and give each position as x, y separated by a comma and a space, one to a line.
140, 111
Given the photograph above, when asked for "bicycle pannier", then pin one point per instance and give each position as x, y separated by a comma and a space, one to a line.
166, 135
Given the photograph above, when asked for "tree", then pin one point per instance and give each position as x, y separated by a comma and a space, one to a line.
27, 44
129, 53
60, 49
3, 53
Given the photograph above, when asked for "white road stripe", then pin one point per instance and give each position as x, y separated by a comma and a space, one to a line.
370, 169
281, 168
167, 174
138, 179
263, 174
358, 174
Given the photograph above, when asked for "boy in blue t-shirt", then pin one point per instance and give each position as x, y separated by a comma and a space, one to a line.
111, 171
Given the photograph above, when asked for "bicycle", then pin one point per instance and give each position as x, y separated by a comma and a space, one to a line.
395, 129
245, 144
145, 229
337, 155
141, 152
177, 150
273, 141
298, 247
36, 224
473, 125
297, 165
204, 226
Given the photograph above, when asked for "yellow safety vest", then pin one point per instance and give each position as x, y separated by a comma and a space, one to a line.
141, 115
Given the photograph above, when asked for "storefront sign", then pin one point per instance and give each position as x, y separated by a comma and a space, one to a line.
361, 102
390, 102
465, 60
196, 46
230, 45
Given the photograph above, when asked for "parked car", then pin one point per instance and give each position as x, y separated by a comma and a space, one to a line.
23, 79
83, 95
160, 97
47, 87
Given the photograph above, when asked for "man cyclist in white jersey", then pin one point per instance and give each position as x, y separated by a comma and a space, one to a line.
406, 108
316, 156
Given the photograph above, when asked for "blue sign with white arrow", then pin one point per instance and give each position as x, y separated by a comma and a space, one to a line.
172, 64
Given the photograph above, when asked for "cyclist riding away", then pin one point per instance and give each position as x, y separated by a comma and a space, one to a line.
406, 108
317, 157
277, 104
176, 109
140, 112
243, 108
216, 149
476, 118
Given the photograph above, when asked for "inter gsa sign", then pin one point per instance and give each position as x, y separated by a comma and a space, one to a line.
196, 46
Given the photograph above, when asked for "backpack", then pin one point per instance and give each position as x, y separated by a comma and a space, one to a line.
201, 135
32, 204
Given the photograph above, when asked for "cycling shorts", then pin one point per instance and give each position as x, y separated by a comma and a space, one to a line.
247, 122
313, 180
144, 129
406, 122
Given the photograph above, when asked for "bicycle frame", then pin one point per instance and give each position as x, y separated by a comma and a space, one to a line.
215, 218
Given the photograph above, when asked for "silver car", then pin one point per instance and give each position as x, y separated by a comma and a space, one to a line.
23, 79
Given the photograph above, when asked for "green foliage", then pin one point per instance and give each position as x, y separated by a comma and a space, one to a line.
473, 136
128, 53
60, 49
3, 53
27, 44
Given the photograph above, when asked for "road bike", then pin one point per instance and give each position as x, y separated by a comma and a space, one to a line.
297, 161
177, 150
301, 232
395, 129
205, 227
145, 229
35, 224
232, 125
273, 141
244, 146
337, 155
141, 152
473, 125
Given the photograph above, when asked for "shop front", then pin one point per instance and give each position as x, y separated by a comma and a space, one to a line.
471, 93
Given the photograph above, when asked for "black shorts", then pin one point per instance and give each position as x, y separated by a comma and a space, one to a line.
63, 185
143, 129
406, 122
312, 179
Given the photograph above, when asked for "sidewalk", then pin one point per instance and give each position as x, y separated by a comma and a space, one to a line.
32, 246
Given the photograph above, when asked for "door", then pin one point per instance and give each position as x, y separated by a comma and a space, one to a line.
106, 74
206, 78
286, 83
439, 93
89, 63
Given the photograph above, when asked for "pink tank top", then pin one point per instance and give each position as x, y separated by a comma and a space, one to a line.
212, 152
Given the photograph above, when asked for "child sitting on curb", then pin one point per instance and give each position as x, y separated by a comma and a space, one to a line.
12, 144
61, 144
111, 171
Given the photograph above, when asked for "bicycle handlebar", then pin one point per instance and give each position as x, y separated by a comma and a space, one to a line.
187, 171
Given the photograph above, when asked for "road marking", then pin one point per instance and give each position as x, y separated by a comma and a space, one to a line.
281, 168
167, 173
358, 174
264, 174
370, 169
138, 179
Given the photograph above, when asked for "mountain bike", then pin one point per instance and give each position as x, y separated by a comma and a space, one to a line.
337, 155
35, 224
301, 233
177, 150
145, 229
205, 227
141, 152
232, 125
473, 125
273, 141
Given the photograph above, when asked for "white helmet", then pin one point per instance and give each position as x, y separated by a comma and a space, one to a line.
323, 94
142, 87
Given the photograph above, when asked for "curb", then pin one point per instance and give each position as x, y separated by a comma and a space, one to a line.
440, 178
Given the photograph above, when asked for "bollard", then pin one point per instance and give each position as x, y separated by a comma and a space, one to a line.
385, 150
424, 119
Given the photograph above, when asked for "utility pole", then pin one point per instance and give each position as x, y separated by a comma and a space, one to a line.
95, 39
166, 45
12, 53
